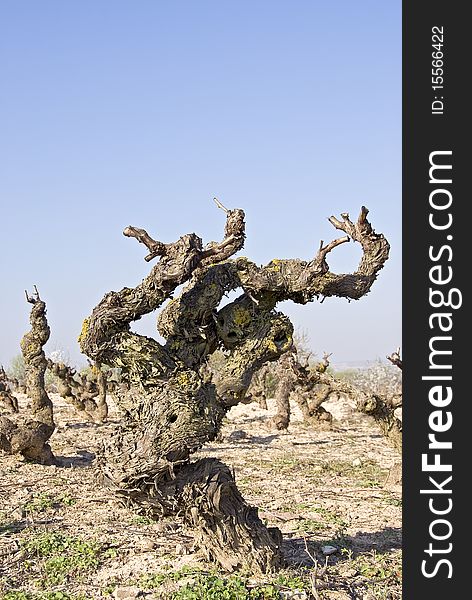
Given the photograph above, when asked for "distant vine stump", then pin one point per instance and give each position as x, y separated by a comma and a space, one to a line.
386, 410
285, 384
7, 399
29, 436
382, 408
172, 406
86, 395
300, 383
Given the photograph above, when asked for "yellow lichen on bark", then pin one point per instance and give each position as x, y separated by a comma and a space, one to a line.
84, 331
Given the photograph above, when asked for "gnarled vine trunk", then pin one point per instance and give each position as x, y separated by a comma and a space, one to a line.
381, 408
29, 436
257, 391
285, 385
300, 383
172, 406
7, 399
310, 395
87, 396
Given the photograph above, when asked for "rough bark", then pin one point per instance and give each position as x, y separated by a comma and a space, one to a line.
298, 382
29, 436
310, 394
285, 385
87, 396
101, 411
204, 493
395, 474
8, 400
395, 359
172, 407
381, 408
257, 391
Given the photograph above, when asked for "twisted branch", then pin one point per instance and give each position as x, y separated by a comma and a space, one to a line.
395, 358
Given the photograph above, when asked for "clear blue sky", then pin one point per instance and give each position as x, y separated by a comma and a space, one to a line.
121, 113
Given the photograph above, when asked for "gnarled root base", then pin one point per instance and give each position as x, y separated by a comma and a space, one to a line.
27, 438
226, 528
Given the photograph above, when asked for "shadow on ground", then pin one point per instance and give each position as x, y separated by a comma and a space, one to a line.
297, 549
83, 459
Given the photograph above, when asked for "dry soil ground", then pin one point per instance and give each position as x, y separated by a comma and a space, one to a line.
64, 537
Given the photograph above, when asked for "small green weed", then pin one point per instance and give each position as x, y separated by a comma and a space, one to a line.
43, 502
378, 566
16, 595
293, 582
379, 574
196, 584
393, 501
61, 557
66, 500
328, 519
110, 588
142, 520
213, 587
152, 581
39, 503
310, 526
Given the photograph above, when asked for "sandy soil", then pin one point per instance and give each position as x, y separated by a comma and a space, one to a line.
321, 488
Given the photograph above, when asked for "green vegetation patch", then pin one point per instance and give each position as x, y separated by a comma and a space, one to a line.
327, 519
379, 574
43, 501
60, 557
196, 584
41, 596
379, 566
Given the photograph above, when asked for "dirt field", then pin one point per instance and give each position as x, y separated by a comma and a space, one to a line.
63, 537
